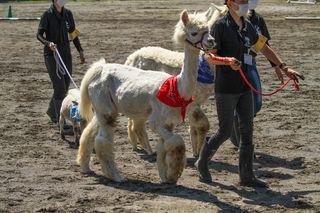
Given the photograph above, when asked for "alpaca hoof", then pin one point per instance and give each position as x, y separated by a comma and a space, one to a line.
86, 170
117, 179
114, 176
76, 142
169, 182
150, 152
120, 180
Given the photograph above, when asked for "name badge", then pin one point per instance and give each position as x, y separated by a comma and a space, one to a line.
248, 59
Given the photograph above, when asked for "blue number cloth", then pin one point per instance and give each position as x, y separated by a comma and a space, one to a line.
205, 74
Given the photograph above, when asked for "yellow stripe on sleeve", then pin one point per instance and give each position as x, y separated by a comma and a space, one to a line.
260, 43
74, 34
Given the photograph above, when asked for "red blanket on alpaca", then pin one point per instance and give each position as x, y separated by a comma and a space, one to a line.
169, 95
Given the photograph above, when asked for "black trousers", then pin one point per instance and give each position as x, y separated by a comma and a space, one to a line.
60, 83
226, 105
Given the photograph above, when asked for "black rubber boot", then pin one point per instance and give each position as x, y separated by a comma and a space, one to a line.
247, 177
201, 164
51, 112
235, 134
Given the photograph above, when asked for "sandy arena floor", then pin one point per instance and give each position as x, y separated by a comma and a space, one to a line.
38, 170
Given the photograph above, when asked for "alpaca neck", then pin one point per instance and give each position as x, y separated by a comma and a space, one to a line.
188, 77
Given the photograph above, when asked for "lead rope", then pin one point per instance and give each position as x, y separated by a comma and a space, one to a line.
227, 60
61, 67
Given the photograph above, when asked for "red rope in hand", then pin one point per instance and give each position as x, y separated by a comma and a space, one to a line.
229, 60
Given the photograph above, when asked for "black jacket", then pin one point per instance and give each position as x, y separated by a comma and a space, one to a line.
56, 27
232, 42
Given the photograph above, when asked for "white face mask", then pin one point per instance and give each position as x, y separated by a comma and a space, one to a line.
243, 10
253, 4
61, 3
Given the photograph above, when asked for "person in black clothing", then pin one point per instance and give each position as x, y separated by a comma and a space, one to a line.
235, 36
253, 75
58, 25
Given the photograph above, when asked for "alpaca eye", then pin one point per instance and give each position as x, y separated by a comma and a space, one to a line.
194, 33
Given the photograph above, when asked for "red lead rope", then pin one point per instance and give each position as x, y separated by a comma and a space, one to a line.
228, 60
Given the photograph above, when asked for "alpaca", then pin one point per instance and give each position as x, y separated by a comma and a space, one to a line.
157, 58
114, 88
152, 58
69, 111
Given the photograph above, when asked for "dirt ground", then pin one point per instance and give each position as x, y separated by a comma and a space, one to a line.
38, 171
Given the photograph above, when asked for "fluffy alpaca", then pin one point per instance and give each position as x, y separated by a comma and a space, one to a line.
114, 88
69, 104
148, 58
156, 58
160, 59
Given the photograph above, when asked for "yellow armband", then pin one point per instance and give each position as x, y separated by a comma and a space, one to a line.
74, 34
260, 43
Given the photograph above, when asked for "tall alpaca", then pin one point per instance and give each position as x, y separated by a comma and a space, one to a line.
114, 88
198, 121
157, 58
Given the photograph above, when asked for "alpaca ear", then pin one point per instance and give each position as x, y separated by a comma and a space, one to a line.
209, 12
219, 8
184, 17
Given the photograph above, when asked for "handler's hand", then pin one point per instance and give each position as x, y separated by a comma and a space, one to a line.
279, 74
234, 64
292, 73
52, 46
82, 58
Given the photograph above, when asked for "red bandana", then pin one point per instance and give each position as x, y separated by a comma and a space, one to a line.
169, 95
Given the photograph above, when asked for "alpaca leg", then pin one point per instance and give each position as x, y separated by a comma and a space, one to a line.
86, 145
171, 155
201, 138
132, 135
104, 146
105, 153
141, 133
203, 129
199, 126
76, 132
61, 124
194, 139
161, 157
175, 157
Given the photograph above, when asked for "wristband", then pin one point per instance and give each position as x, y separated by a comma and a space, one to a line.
282, 66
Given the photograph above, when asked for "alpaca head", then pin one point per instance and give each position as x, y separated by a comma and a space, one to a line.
193, 29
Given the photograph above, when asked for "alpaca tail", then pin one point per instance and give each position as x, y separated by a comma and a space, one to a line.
85, 107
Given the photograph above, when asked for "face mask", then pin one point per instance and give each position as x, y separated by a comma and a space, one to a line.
253, 4
61, 3
243, 9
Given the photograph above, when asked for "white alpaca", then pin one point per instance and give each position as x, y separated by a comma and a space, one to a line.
147, 58
69, 112
157, 58
114, 88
